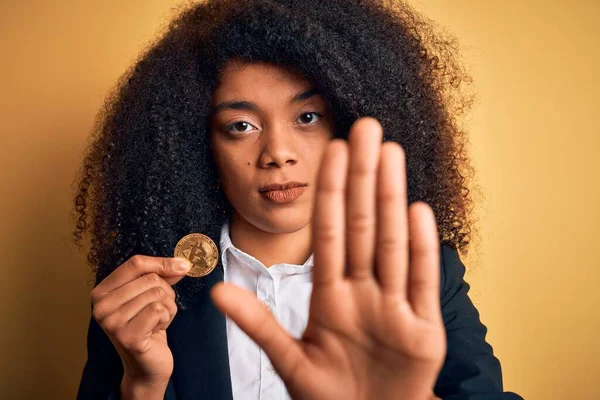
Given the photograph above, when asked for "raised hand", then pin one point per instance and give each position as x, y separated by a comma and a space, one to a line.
375, 328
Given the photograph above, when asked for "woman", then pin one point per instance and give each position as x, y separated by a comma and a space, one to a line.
245, 123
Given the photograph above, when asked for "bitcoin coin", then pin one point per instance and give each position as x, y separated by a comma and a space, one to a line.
201, 251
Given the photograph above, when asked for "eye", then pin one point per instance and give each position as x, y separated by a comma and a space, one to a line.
239, 124
309, 121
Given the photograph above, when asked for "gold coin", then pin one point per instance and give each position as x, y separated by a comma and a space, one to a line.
201, 251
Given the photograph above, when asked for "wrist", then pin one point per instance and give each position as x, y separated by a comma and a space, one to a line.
133, 389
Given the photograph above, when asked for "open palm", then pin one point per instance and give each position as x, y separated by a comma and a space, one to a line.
375, 329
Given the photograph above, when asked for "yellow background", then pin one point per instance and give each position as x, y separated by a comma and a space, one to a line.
534, 140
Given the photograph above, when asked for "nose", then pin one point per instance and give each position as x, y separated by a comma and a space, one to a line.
278, 147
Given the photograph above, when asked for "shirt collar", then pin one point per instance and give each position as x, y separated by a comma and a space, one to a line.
225, 239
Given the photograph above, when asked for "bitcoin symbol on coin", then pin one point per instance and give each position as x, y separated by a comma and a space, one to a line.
201, 251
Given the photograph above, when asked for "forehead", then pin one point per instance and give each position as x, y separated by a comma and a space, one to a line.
247, 79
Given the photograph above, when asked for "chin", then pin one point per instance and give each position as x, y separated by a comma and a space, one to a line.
284, 221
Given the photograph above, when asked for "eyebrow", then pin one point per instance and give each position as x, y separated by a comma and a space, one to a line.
248, 105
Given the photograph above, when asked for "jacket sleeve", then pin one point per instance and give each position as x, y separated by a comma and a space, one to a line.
103, 370
470, 370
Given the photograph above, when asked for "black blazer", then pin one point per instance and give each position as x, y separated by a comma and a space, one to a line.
198, 340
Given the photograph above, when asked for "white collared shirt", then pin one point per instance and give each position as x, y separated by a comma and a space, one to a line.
286, 290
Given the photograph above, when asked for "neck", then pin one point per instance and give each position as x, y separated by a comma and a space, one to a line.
291, 248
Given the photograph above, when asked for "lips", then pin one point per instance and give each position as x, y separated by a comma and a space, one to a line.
284, 195
281, 193
281, 186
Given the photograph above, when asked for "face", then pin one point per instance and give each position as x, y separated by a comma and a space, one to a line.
268, 126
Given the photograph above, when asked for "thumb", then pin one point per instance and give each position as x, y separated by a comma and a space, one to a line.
257, 321
176, 271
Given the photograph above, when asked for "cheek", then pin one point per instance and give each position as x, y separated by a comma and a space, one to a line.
226, 160
236, 176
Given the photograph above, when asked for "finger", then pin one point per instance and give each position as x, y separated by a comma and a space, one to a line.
172, 309
328, 219
424, 274
134, 336
392, 230
120, 296
365, 144
129, 310
260, 325
172, 268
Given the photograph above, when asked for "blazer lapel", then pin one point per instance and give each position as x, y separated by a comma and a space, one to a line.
198, 340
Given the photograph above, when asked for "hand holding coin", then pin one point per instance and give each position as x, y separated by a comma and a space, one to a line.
134, 305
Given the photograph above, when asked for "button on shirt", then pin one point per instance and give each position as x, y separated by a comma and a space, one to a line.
285, 289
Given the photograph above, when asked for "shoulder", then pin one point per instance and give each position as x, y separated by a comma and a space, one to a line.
452, 271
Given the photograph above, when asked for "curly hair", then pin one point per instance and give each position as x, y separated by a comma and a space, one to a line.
148, 176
